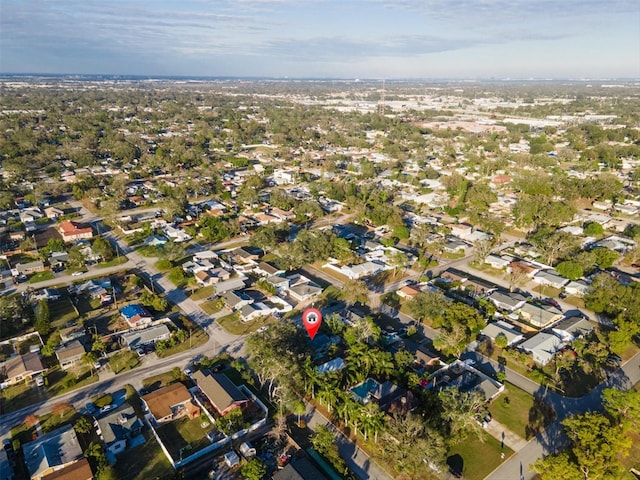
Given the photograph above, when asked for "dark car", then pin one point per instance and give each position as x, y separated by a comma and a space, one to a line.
218, 368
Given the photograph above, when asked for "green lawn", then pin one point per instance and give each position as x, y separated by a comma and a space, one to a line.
59, 381
575, 301
212, 306
162, 379
112, 263
124, 361
202, 293
198, 337
61, 311
41, 276
478, 457
518, 411
233, 324
144, 462
184, 434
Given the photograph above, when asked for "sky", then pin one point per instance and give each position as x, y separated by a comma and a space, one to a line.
377, 39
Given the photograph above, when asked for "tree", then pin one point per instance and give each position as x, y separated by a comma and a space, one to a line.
604, 257
453, 342
43, 318
103, 247
75, 257
427, 305
593, 228
623, 406
254, 469
483, 248
355, 291
501, 341
596, 445
324, 441
517, 273
460, 411
408, 442
557, 466
82, 425
569, 269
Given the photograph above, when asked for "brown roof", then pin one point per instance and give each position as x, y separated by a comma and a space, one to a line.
22, 364
161, 401
410, 291
72, 349
221, 391
79, 470
69, 228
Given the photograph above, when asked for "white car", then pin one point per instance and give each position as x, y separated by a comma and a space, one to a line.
76, 274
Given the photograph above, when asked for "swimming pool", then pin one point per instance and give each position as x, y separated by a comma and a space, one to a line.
362, 391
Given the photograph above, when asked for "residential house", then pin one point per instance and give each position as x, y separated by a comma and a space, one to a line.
267, 270
498, 262
550, 278
169, 403
211, 276
147, 336
80, 470
363, 269
53, 213
300, 468
542, 346
22, 367
539, 316
492, 330
56, 258
70, 354
281, 283
507, 301
572, 328
454, 244
460, 230
29, 268
136, 315
578, 288
253, 311
305, 291
117, 428
51, 452
236, 299
331, 366
74, 332
408, 292
72, 231
223, 394
236, 283
283, 215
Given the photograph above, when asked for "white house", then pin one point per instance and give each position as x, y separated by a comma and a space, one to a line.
492, 330
542, 347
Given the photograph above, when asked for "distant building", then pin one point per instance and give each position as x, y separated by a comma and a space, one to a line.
146, 336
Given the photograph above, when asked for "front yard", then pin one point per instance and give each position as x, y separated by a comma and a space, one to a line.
520, 412
41, 276
233, 324
476, 458
144, 462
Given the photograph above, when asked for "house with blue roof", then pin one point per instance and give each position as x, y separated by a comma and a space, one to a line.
136, 315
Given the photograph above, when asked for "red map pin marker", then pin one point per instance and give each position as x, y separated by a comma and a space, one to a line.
311, 319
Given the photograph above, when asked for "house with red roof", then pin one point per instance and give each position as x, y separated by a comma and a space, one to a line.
72, 231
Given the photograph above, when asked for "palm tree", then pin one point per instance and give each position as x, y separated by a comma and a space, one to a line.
328, 394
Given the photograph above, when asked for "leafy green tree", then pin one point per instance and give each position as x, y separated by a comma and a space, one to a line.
460, 411
501, 341
427, 306
593, 228
623, 406
254, 469
43, 318
324, 441
597, 445
82, 425
75, 257
557, 466
604, 257
355, 291
569, 269
103, 247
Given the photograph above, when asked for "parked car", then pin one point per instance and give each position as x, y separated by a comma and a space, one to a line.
107, 408
76, 274
140, 352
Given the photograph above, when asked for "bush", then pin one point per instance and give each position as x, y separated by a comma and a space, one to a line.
103, 401
164, 265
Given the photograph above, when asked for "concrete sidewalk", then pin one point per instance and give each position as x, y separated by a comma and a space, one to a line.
501, 433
